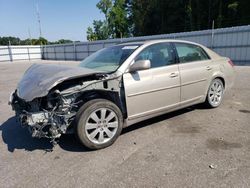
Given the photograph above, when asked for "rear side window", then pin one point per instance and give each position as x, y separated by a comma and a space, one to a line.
159, 54
190, 53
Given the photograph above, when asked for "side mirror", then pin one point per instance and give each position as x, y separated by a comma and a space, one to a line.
140, 65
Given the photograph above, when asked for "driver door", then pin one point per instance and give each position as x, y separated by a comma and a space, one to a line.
154, 90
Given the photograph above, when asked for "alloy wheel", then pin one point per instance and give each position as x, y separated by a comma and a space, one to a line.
215, 93
101, 126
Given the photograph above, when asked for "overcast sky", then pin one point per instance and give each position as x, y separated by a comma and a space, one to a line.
59, 18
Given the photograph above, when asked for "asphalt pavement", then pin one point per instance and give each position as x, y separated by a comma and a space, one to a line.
193, 147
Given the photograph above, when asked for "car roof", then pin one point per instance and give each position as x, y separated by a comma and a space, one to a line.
211, 53
158, 41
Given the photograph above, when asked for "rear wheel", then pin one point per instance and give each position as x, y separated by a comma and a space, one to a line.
215, 93
99, 123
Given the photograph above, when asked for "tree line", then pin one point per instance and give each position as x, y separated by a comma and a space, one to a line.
125, 18
40, 41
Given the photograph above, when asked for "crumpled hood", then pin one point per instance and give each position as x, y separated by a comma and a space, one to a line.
40, 78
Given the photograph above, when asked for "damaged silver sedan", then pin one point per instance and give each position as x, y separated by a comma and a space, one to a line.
119, 86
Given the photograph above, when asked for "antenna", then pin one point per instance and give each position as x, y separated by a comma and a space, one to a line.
38, 19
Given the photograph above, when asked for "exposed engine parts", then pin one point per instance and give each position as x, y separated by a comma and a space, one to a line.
53, 115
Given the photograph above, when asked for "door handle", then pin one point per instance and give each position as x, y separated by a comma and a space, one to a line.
173, 75
209, 68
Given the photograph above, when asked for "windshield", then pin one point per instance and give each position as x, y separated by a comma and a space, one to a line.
109, 59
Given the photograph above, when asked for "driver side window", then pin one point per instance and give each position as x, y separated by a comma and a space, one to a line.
159, 54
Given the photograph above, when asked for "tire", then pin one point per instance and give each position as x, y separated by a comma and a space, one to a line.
99, 122
215, 93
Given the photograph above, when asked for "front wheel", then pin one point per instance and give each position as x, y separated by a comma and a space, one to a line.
99, 123
215, 93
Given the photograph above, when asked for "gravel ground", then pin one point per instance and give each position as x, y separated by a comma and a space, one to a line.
193, 147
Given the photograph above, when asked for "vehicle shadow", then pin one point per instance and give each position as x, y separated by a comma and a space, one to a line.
16, 137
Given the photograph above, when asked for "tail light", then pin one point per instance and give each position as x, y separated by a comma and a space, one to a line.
230, 62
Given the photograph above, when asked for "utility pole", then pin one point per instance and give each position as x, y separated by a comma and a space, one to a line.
10, 51
29, 36
212, 42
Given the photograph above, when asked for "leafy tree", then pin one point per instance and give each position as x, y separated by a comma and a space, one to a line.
10, 40
98, 32
40, 41
158, 16
167, 16
105, 6
64, 41
118, 20
91, 35
115, 23
26, 42
100, 29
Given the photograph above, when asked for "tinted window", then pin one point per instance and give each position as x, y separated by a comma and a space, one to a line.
159, 55
190, 53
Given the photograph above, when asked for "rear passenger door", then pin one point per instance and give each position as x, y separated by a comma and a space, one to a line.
195, 70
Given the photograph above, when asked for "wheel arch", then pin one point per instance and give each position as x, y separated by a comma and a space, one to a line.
112, 96
215, 76
207, 102
222, 79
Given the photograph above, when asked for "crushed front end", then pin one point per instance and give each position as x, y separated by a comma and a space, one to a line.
48, 116
48, 97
